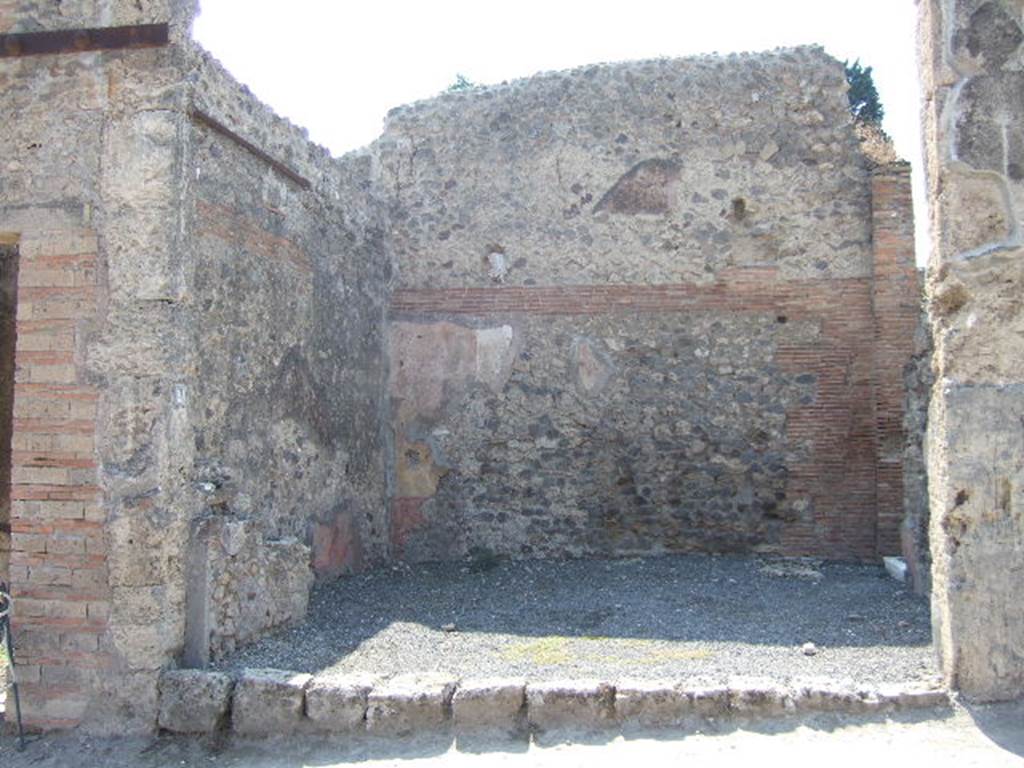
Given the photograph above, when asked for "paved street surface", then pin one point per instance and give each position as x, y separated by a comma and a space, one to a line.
988, 737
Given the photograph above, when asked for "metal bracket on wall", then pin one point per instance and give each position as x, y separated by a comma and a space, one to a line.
55, 41
218, 127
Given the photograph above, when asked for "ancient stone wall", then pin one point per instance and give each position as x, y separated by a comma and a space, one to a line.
197, 410
971, 62
647, 308
289, 281
90, 179
640, 308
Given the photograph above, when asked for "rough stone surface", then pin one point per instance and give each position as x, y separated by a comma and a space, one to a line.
833, 695
668, 456
651, 703
408, 703
677, 264
712, 162
200, 343
194, 701
914, 531
268, 702
911, 696
970, 70
708, 700
489, 704
570, 704
337, 703
977, 461
241, 586
759, 696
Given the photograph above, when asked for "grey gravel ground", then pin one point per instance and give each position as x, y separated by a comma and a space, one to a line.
663, 617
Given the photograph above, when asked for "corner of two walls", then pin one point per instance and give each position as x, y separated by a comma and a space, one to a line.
971, 60
663, 320
92, 197
289, 289
199, 364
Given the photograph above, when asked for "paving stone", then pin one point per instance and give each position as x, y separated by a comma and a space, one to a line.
759, 697
650, 703
409, 703
912, 696
194, 700
268, 702
495, 703
707, 699
337, 703
570, 703
829, 695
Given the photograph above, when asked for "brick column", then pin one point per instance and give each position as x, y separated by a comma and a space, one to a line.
58, 558
896, 307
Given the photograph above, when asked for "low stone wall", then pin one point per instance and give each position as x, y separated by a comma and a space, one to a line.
240, 585
268, 702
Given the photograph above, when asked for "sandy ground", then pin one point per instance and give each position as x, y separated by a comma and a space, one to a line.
991, 737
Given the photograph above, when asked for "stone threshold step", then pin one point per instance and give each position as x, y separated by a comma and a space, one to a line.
273, 702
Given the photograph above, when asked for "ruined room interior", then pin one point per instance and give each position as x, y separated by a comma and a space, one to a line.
608, 316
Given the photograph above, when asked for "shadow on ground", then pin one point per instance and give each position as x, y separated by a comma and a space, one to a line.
648, 617
1002, 723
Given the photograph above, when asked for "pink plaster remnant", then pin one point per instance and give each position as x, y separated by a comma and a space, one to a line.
406, 516
336, 547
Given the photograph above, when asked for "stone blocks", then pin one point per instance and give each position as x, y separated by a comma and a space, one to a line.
570, 704
409, 703
759, 697
708, 700
268, 701
490, 704
193, 700
650, 703
916, 696
824, 695
337, 704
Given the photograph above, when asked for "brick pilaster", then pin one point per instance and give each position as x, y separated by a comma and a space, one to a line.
58, 554
897, 312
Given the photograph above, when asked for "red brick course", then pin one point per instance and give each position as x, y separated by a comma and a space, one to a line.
851, 437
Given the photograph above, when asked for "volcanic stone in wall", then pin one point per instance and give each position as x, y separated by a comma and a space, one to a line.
612, 434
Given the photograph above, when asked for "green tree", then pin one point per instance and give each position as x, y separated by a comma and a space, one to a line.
462, 83
865, 105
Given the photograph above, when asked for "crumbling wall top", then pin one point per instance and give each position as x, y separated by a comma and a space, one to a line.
659, 171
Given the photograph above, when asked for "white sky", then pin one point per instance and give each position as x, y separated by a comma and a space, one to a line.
337, 67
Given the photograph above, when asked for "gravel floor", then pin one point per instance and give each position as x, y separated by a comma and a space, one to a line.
664, 617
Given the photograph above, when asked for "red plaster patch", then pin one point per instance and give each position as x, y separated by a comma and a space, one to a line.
406, 516
336, 547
